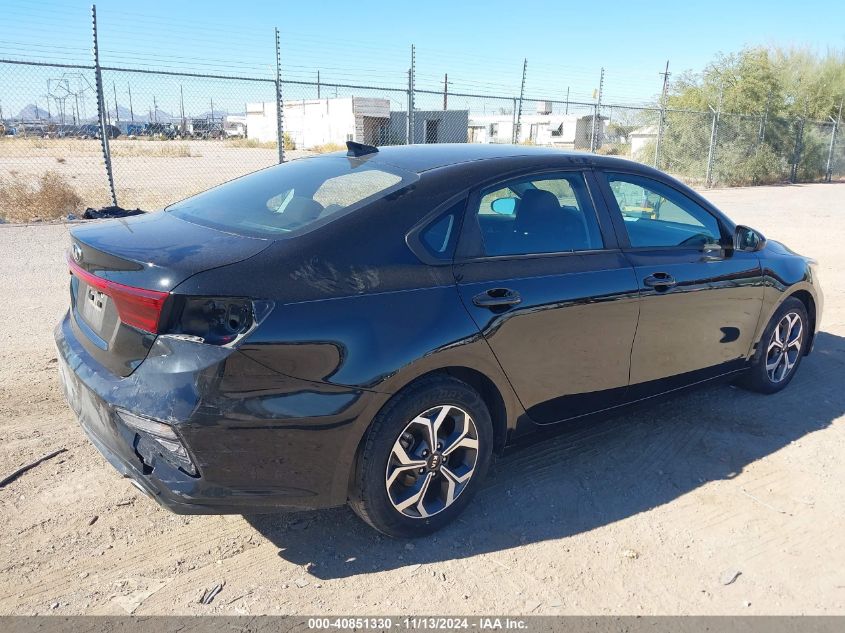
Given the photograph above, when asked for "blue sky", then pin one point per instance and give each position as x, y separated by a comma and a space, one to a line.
480, 44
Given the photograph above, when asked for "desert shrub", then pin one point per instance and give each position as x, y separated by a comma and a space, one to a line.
161, 149
325, 148
614, 149
253, 143
736, 167
48, 197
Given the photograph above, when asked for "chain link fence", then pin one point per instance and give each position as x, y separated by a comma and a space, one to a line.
179, 134
49, 152
165, 135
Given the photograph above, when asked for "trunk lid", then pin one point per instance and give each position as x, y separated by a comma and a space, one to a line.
123, 270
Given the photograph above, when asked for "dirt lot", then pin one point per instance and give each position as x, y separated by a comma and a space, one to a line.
147, 173
650, 513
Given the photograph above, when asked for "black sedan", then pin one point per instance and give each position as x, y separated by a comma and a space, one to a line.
372, 327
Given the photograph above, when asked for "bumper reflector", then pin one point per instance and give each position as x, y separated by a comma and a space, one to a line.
164, 436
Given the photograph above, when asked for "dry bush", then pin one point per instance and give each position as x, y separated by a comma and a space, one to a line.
250, 143
156, 150
325, 148
48, 198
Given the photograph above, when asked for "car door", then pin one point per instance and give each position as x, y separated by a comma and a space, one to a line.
700, 298
540, 272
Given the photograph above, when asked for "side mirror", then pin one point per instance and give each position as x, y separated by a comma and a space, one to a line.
747, 239
504, 206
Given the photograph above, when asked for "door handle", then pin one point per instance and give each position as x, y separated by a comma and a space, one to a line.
660, 281
497, 298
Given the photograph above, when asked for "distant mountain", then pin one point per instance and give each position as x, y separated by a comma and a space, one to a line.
217, 114
32, 112
124, 114
140, 115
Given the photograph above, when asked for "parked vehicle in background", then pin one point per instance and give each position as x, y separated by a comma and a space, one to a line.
372, 327
161, 130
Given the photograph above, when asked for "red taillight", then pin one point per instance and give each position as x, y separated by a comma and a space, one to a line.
138, 307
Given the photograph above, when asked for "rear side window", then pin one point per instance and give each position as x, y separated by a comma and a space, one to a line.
293, 198
440, 235
437, 236
539, 214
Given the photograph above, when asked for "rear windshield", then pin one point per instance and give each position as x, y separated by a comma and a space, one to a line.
292, 198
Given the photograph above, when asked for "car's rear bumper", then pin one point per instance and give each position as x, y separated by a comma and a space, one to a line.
248, 459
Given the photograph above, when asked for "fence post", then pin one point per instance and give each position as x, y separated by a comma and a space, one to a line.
711, 153
518, 123
796, 156
662, 120
596, 110
280, 105
828, 175
101, 109
411, 71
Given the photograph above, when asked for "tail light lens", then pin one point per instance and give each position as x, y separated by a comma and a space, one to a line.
216, 320
138, 307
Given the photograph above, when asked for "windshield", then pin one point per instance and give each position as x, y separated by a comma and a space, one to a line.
292, 198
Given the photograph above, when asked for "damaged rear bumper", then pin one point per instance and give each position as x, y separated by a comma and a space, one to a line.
237, 420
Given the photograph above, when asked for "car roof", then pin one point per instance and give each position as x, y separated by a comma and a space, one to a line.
420, 158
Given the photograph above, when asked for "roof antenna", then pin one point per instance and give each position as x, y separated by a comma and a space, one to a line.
359, 149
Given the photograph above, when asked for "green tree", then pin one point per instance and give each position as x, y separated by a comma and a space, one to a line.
775, 105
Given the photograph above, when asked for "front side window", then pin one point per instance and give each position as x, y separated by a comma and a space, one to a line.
291, 198
539, 214
656, 215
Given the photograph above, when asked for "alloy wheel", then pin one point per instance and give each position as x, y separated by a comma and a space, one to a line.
784, 347
432, 461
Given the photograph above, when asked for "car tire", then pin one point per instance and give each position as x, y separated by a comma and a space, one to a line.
781, 348
395, 466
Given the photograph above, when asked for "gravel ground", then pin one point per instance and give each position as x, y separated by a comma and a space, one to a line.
650, 513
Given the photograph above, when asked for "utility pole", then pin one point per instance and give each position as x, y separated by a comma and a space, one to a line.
446, 91
131, 111
521, 96
182, 106
155, 109
280, 107
594, 140
101, 108
567, 100
318, 84
836, 122
661, 124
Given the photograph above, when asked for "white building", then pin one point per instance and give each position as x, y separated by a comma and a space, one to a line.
641, 139
565, 131
313, 122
